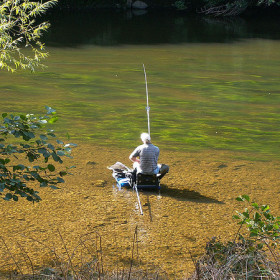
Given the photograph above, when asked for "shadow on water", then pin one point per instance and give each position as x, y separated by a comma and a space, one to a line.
184, 195
111, 28
187, 195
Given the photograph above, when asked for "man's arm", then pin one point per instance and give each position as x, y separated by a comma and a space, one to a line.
134, 157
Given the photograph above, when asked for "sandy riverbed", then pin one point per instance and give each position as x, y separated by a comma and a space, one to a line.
196, 202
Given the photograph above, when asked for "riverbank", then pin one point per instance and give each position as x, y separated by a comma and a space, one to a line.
196, 202
182, 6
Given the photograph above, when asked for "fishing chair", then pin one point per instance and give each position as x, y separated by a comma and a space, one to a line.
146, 182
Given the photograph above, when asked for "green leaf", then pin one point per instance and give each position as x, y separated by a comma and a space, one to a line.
31, 135
8, 196
53, 120
51, 167
51, 134
50, 110
239, 198
236, 217
4, 115
265, 208
55, 157
50, 146
18, 167
246, 197
60, 180
41, 150
257, 217
255, 205
43, 184
245, 214
43, 137
60, 153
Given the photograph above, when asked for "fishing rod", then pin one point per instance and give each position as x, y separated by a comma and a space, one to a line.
147, 95
149, 131
138, 198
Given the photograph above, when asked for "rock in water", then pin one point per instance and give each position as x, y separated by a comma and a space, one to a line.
139, 5
98, 183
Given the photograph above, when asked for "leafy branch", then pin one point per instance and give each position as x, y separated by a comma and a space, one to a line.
34, 145
18, 28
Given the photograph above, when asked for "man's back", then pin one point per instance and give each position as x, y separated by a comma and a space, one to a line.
148, 154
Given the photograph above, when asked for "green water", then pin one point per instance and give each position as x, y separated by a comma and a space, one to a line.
202, 95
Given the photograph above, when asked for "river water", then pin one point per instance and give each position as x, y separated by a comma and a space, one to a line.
212, 83
213, 92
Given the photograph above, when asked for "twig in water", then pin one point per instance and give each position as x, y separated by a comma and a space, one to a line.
25, 254
11, 255
69, 258
196, 265
99, 256
131, 263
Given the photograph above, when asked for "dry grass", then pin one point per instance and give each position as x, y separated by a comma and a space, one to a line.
64, 266
235, 260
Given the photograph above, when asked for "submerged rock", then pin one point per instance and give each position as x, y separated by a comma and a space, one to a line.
90, 163
98, 183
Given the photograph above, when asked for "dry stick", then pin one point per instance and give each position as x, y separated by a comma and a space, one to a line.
274, 256
25, 254
134, 238
123, 273
52, 250
86, 247
10, 253
101, 255
67, 252
117, 269
241, 225
97, 256
150, 209
136, 233
196, 264
100, 246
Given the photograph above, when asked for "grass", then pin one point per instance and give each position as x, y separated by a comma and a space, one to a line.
91, 263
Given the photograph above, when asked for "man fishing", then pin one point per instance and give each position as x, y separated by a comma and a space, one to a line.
145, 158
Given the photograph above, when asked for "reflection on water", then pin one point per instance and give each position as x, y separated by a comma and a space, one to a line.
141, 28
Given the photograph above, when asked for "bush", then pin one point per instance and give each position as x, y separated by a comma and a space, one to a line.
255, 256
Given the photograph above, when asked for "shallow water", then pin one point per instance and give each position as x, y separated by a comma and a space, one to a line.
214, 112
213, 96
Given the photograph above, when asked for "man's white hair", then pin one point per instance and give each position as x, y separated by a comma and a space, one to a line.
145, 137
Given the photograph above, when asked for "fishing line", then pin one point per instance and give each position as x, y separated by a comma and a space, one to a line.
147, 95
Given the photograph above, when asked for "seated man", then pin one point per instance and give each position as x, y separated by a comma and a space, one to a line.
145, 158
